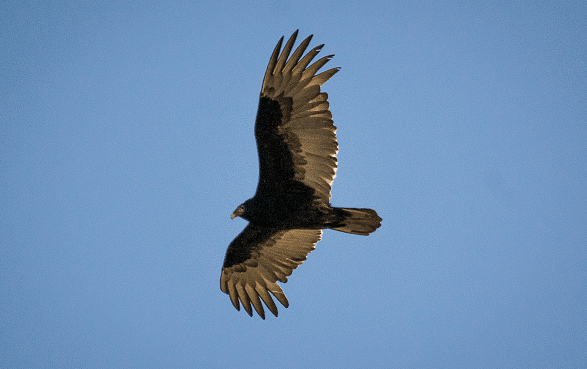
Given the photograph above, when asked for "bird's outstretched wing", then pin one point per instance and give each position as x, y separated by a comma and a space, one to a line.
296, 138
258, 258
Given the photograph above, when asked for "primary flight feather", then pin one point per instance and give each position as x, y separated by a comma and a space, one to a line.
296, 143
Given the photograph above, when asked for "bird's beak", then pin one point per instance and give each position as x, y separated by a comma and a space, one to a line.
238, 212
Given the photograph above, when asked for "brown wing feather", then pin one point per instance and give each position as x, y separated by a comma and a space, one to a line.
257, 259
307, 127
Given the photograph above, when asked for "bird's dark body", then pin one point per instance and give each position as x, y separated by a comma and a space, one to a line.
297, 147
295, 212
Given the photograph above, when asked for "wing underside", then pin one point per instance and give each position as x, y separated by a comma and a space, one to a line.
303, 121
257, 259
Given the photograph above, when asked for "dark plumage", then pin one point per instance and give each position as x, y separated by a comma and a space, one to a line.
297, 148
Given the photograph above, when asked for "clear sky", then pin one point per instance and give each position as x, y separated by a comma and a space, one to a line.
126, 142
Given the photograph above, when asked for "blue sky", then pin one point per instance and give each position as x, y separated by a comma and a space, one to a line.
127, 141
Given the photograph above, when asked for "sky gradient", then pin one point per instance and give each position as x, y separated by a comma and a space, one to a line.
126, 142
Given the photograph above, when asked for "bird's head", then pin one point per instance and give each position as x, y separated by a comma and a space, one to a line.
238, 212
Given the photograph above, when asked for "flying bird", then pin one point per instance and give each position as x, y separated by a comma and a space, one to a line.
296, 143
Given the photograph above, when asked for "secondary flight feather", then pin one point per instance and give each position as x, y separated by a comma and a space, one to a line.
297, 147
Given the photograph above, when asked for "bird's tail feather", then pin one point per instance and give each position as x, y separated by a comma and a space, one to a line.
358, 221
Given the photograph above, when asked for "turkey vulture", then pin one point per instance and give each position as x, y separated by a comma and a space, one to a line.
297, 148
